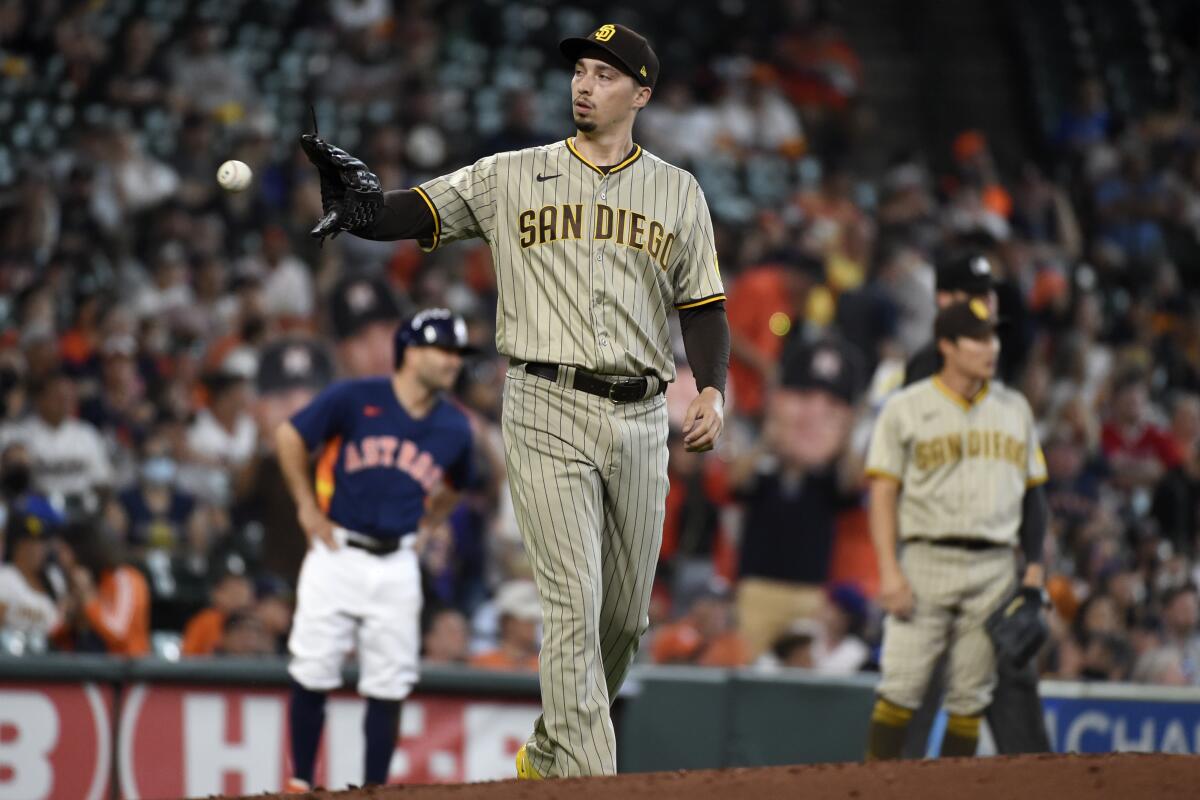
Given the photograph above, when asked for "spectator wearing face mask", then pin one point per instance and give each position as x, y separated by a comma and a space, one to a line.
156, 513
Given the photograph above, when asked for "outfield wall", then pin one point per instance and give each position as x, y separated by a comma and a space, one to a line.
94, 728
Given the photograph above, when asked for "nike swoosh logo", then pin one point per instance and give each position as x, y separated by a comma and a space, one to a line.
543, 178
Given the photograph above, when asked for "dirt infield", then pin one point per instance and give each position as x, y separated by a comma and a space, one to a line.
1127, 776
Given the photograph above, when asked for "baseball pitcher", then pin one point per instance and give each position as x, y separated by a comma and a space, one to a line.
594, 242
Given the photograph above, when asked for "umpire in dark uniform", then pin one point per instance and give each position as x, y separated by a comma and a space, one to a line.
291, 371
967, 275
1015, 715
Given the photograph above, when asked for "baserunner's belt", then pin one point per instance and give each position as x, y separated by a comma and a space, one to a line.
373, 545
618, 390
961, 542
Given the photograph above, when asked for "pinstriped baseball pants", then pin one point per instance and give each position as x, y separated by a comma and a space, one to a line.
955, 590
589, 483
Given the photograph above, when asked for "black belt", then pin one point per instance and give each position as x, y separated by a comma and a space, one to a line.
618, 390
376, 547
961, 542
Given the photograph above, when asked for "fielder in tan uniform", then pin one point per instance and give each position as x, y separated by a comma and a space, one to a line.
594, 243
951, 461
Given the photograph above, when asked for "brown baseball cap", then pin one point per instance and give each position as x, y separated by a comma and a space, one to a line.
629, 51
972, 319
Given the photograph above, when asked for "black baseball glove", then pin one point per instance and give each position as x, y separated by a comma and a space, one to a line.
351, 197
1018, 628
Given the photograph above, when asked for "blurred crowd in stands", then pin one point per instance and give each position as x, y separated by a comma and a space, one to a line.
155, 329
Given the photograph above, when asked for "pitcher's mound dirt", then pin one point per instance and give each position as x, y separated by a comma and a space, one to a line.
1127, 776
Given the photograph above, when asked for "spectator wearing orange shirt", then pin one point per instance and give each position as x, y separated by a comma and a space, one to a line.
231, 593
243, 634
822, 70
520, 613
78, 345
114, 597
766, 303
705, 636
977, 167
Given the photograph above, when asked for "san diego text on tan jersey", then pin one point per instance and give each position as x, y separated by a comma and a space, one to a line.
588, 263
963, 465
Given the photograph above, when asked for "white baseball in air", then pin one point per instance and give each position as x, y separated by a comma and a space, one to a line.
234, 176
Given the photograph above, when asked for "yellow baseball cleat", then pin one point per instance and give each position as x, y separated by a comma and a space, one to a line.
525, 770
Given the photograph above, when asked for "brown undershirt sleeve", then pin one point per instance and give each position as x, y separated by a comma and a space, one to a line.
706, 340
405, 215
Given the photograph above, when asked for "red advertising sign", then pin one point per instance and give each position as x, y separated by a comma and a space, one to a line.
194, 742
55, 741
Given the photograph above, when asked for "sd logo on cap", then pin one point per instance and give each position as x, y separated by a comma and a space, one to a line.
622, 47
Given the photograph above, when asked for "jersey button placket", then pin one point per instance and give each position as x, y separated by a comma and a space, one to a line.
598, 304
597, 295
964, 501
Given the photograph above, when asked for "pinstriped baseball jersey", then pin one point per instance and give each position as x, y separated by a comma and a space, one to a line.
588, 263
964, 466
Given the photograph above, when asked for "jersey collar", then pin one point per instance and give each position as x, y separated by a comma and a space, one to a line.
959, 400
634, 156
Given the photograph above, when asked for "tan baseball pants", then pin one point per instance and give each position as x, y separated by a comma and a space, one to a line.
589, 483
955, 590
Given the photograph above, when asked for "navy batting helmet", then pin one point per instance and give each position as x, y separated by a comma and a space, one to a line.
433, 327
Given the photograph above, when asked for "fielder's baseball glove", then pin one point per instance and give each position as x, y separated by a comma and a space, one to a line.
1018, 628
351, 196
